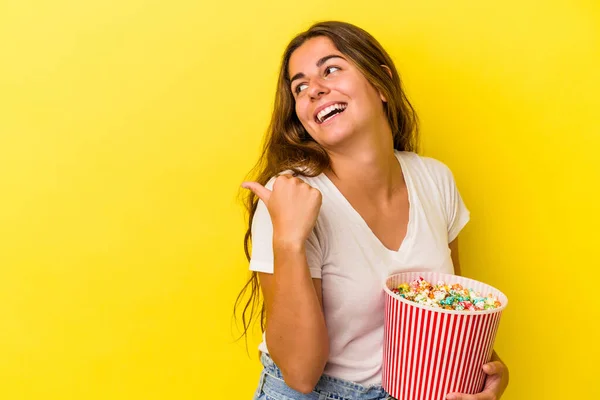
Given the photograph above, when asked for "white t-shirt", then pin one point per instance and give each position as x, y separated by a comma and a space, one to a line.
353, 263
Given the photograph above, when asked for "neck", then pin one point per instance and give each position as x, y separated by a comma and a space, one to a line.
370, 168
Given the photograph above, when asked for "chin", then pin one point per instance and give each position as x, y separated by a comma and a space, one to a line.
335, 138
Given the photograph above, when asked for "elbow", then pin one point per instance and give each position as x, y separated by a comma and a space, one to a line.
304, 379
303, 384
302, 387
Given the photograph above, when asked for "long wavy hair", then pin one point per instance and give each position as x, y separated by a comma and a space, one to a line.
288, 146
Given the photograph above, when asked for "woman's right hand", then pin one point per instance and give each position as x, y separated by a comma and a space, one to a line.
293, 206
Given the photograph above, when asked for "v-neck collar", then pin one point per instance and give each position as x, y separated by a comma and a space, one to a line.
358, 219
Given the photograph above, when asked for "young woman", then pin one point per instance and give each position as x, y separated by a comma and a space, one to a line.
341, 201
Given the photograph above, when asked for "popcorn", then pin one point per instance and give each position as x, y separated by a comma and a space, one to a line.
448, 297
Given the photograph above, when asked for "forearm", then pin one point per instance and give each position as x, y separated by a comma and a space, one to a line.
296, 332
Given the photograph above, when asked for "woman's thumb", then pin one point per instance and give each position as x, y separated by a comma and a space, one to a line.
262, 192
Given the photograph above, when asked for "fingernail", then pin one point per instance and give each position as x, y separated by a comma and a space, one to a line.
245, 185
450, 397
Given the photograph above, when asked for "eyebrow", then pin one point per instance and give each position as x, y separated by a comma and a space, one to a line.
321, 61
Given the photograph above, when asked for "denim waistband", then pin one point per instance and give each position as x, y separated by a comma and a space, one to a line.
328, 386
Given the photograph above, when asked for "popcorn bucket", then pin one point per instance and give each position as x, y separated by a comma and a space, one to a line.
430, 352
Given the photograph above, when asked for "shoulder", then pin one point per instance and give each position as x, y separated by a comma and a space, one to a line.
429, 165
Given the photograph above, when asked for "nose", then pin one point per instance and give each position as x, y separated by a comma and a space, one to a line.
317, 89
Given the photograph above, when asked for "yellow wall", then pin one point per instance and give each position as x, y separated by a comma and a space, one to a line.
126, 127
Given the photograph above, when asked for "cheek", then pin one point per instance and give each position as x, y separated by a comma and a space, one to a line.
363, 89
365, 96
301, 112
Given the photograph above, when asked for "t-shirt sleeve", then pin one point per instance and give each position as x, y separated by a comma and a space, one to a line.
457, 214
261, 259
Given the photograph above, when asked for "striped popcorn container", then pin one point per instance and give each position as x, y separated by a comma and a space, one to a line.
430, 352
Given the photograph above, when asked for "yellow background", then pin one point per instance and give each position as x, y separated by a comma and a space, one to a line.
127, 126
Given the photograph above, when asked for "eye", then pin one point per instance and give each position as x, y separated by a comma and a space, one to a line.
299, 88
331, 69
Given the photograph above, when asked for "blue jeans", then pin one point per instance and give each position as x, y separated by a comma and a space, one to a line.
272, 387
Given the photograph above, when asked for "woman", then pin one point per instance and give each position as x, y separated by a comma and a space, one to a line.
341, 201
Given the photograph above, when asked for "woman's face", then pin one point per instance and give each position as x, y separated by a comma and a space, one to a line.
334, 101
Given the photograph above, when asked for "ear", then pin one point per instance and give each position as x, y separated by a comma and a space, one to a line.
389, 72
382, 97
387, 69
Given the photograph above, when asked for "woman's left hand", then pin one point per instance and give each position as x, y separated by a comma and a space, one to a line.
496, 382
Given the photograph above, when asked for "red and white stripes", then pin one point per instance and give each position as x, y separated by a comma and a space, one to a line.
429, 353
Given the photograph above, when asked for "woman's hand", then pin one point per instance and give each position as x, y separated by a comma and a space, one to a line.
293, 206
496, 382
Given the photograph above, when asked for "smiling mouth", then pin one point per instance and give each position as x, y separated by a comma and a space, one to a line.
330, 112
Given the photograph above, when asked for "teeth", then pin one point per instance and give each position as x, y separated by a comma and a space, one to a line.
329, 109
